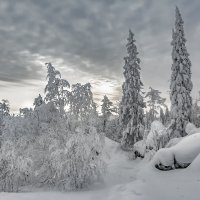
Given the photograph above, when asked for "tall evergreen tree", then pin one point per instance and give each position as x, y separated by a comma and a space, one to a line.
181, 84
131, 107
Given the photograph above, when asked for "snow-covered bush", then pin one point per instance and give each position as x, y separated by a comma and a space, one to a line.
157, 136
152, 141
75, 166
139, 149
180, 155
15, 168
84, 154
26, 141
38, 149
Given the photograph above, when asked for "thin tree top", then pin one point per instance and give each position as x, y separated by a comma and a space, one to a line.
131, 47
179, 19
179, 25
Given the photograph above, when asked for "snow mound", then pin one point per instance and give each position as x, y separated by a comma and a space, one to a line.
181, 155
187, 149
164, 157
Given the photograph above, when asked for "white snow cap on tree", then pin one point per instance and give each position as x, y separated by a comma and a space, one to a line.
131, 110
181, 84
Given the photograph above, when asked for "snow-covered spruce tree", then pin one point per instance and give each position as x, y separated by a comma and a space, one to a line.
56, 88
181, 84
131, 106
107, 109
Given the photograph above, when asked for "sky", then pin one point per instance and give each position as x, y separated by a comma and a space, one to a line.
85, 40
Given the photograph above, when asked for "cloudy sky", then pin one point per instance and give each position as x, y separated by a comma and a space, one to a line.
85, 40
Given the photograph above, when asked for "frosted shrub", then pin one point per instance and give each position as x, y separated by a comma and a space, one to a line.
157, 136
15, 169
39, 150
74, 166
85, 159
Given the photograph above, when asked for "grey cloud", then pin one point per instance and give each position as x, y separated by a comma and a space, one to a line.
89, 38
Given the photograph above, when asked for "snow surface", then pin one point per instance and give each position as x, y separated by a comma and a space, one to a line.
127, 180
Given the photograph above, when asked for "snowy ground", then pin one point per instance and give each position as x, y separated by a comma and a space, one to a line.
128, 180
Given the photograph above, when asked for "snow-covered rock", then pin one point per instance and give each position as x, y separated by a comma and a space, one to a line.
180, 155
187, 149
163, 157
